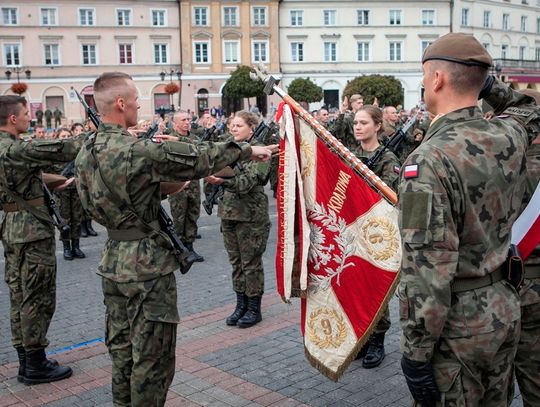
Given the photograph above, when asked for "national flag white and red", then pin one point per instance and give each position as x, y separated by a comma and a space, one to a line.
526, 229
338, 246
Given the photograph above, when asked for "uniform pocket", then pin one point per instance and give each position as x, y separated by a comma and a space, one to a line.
448, 379
160, 303
181, 153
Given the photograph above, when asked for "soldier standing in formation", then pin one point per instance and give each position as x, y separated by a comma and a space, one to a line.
186, 205
119, 180
28, 239
245, 225
342, 127
368, 125
460, 192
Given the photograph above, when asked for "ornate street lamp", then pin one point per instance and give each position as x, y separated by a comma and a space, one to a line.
171, 88
19, 87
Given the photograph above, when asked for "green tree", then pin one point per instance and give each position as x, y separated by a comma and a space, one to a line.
240, 85
386, 89
305, 90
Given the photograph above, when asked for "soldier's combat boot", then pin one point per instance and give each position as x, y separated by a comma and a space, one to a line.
84, 230
375, 353
21, 353
239, 311
41, 370
68, 255
75, 250
198, 257
253, 314
363, 351
90, 229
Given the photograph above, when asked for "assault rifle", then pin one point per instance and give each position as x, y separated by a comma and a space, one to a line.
393, 143
216, 194
183, 255
208, 133
58, 220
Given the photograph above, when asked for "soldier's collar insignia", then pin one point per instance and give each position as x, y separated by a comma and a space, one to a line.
411, 171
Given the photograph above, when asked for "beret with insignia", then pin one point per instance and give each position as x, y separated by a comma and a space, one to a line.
459, 48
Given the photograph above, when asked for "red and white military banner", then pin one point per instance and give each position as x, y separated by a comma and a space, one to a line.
526, 228
339, 249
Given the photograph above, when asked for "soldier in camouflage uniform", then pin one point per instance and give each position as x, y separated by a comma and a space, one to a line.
460, 192
527, 362
245, 224
119, 180
368, 122
186, 205
28, 238
343, 128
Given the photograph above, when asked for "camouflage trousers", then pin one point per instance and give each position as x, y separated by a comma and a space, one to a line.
30, 275
527, 363
476, 371
245, 243
186, 210
384, 323
141, 320
72, 211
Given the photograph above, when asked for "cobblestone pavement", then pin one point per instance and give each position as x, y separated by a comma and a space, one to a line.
216, 365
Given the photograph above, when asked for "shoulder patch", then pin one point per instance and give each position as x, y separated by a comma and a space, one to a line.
156, 140
397, 169
411, 171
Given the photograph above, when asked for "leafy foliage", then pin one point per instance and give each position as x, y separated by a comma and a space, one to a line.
240, 85
305, 90
387, 89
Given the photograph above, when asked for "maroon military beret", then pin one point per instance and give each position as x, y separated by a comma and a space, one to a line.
459, 48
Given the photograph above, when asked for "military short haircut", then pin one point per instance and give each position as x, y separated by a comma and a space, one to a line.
10, 105
462, 78
107, 87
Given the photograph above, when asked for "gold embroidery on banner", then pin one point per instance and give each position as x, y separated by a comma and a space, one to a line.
308, 155
326, 328
381, 239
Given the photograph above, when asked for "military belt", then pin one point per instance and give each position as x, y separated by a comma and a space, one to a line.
532, 271
14, 207
460, 285
133, 233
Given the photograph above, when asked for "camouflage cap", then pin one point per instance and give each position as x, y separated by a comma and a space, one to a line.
459, 48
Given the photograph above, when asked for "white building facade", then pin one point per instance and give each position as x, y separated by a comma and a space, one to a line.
334, 42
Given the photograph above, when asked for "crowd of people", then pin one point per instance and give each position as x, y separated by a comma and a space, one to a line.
462, 178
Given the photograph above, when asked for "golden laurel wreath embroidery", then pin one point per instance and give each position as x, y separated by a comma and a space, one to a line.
380, 235
308, 166
332, 327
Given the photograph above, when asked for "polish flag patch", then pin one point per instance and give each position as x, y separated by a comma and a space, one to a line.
410, 171
397, 170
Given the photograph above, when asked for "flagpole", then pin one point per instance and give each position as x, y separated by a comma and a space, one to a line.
327, 138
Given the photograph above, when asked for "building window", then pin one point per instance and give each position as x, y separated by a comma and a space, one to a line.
329, 17
161, 54
259, 15
297, 51
125, 53
537, 53
362, 17
504, 51
229, 16
465, 17
486, 46
523, 24
87, 16
200, 16
123, 17
159, 18
363, 51
12, 55
89, 54
538, 25
395, 17
505, 20
424, 45
231, 52
487, 19
51, 54
48, 16
201, 53
330, 52
9, 16
395, 51
522, 52
260, 51
297, 17
428, 17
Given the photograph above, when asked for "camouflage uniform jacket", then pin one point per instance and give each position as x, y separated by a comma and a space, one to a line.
387, 168
23, 162
244, 198
455, 221
343, 129
134, 169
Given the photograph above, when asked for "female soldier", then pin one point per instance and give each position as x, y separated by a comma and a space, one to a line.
245, 225
367, 124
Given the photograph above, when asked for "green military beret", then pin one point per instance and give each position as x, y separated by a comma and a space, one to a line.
459, 48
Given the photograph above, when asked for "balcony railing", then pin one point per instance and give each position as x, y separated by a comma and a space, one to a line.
528, 65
